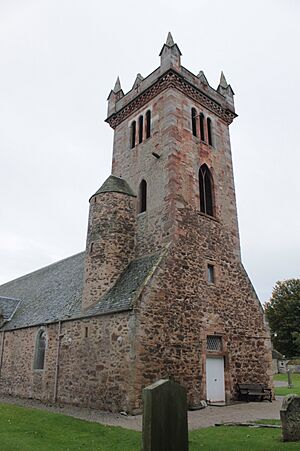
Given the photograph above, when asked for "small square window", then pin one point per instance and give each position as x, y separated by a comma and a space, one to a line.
214, 343
210, 273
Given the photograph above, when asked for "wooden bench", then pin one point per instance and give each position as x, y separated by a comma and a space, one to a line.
254, 391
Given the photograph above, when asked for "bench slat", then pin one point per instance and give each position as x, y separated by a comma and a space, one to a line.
257, 390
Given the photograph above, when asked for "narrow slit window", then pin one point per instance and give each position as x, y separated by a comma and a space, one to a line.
202, 132
210, 273
148, 124
209, 131
40, 348
86, 332
143, 196
132, 134
206, 190
194, 125
141, 126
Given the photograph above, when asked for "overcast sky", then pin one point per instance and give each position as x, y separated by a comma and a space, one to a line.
58, 61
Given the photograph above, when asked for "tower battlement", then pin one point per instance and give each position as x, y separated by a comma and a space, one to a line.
170, 73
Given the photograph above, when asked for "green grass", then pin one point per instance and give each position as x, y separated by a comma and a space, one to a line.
37, 430
276, 422
282, 391
228, 438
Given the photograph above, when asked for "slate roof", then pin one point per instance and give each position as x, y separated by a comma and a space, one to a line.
115, 184
122, 294
46, 295
8, 307
54, 293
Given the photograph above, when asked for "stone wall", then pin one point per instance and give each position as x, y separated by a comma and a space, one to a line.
17, 374
110, 243
95, 363
181, 308
172, 180
155, 226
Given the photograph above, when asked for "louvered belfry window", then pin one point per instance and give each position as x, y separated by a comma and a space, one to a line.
214, 343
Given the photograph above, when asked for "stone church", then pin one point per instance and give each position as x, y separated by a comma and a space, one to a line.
160, 290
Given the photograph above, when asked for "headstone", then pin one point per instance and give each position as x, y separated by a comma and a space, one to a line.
165, 426
289, 374
290, 418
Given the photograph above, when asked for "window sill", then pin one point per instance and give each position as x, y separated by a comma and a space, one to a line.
205, 143
141, 143
215, 353
205, 215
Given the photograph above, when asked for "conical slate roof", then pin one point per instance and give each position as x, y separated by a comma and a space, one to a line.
115, 184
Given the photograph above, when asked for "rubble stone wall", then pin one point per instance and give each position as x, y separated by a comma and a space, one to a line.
181, 308
110, 243
95, 363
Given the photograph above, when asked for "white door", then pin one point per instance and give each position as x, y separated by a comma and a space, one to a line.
215, 387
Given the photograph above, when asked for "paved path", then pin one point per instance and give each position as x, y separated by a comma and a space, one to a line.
197, 419
280, 383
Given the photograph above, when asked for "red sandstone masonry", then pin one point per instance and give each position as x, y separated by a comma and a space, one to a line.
94, 371
180, 308
110, 243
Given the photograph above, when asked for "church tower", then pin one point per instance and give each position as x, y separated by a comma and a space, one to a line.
171, 136
197, 317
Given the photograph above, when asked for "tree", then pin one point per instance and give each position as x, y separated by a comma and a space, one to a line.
283, 314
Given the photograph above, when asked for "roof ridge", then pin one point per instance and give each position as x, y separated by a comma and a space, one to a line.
40, 269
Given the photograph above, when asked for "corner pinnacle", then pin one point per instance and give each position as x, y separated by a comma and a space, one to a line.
170, 40
223, 81
117, 87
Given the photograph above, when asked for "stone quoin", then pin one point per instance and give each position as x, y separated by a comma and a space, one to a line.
160, 290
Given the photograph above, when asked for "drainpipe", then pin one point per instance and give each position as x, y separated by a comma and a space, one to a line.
2, 350
59, 337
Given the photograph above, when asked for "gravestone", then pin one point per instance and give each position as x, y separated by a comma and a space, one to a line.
289, 374
165, 417
290, 418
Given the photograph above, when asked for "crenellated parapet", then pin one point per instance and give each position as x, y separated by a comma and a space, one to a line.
171, 74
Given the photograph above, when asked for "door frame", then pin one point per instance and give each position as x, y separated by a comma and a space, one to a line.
220, 358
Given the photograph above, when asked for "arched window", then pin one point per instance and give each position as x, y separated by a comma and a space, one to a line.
206, 190
202, 132
141, 126
40, 347
209, 131
148, 124
143, 196
132, 134
194, 125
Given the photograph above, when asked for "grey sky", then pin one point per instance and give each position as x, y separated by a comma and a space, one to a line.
58, 61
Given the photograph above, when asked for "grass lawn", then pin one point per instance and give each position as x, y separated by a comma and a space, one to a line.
282, 391
37, 430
